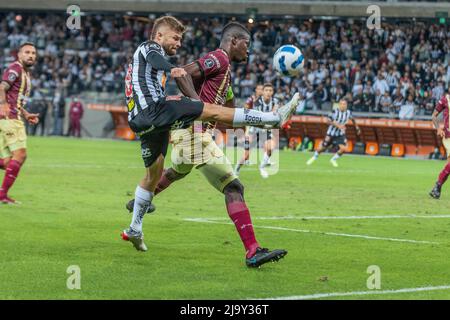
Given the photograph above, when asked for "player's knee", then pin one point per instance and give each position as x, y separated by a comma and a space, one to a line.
20, 156
234, 186
172, 175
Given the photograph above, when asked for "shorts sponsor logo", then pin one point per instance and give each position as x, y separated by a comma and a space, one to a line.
177, 125
146, 131
146, 153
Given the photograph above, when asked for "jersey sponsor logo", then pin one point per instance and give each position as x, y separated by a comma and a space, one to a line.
216, 60
153, 46
208, 63
146, 153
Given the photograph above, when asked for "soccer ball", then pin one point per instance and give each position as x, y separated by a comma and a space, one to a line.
288, 60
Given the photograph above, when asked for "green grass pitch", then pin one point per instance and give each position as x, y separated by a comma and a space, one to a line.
74, 192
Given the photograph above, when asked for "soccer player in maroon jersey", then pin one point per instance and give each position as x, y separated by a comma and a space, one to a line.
211, 76
444, 134
14, 89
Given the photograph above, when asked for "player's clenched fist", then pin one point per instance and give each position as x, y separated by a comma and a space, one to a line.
4, 110
440, 133
177, 72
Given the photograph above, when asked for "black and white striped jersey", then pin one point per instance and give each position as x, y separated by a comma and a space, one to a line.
261, 105
341, 117
144, 84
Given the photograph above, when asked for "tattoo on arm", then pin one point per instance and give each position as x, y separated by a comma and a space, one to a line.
435, 120
4, 87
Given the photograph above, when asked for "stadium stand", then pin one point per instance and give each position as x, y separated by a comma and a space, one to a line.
396, 72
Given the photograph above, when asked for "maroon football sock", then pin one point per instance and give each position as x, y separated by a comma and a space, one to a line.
12, 171
444, 174
240, 215
163, 183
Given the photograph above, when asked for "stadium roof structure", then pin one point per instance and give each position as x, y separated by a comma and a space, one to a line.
397, 9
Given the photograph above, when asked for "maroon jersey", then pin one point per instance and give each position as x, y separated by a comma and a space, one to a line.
250, 102
216, 70
443, 106
213, 88
20, 83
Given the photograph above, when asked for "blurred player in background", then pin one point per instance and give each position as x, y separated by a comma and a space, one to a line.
249, 105
152, 114
444, 134
15, 88
252, 99
211, 75
266, 103
337, 120
76, 113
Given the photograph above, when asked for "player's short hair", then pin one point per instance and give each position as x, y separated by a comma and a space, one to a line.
267, 85
259, 85
234, 29
172, 22
26, 44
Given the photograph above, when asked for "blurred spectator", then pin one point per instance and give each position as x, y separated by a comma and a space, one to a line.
341, 56
58, 113
408, 109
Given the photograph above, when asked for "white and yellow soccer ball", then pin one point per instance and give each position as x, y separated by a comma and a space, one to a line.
288, 60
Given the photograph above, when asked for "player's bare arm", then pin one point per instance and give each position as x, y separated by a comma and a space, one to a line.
186, 86
435, 120
194, 70
32, 118
358, 130
4, 106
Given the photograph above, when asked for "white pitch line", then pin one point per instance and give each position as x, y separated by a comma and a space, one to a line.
410, 216
357, 293
202, 220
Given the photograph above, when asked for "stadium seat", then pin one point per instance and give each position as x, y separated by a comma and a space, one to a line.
359, 148
372, 148
125, 133
398, 150
385, 150
349, 147
294, 142
317, 144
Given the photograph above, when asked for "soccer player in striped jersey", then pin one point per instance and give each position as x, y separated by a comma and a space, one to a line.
265, 103
337, 120
442, 107
15, 88
152, 114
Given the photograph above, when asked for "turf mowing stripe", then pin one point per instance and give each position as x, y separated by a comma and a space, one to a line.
357, 293
202, 220
412, 216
